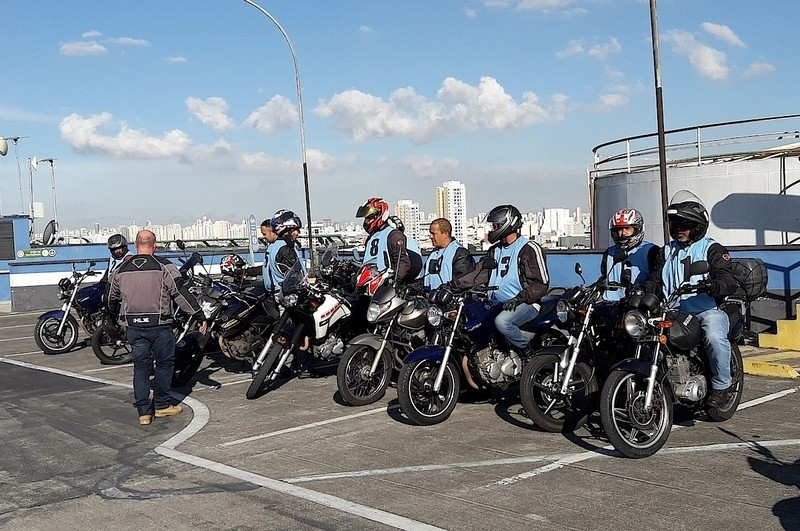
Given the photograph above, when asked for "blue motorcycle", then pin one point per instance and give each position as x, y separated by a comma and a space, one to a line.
57, 331
430, 381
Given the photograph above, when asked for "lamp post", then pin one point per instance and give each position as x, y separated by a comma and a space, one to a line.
662, 150
4, 146
33, 165
312, 253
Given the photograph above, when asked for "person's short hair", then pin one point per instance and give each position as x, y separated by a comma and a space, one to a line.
443, 225
266, 223
145, 237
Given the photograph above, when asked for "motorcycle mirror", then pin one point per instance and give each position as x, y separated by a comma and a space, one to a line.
620, 255
92, 263
578, 269
180, 244
625, 278
489, 263
356, 254
197, 258
700, 267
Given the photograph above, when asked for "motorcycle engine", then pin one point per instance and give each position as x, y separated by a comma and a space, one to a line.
240, 347
685, 380
497, 367
332, 346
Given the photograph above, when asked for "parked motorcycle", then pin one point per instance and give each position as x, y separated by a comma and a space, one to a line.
398, 315
314, 309
559, 388
670, 367
56, 331
430, 380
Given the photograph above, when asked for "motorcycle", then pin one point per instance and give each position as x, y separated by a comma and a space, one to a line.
559, 387
430, 379
56, 331
399, 317
314, 309
670, 367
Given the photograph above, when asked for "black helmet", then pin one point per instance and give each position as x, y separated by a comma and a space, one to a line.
397, 223
501, 221
118, 246
285, 221
686, 210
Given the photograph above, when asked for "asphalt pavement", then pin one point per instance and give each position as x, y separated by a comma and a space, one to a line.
74, 457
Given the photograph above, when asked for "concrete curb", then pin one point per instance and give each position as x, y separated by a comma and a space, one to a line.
770, 362
772, 370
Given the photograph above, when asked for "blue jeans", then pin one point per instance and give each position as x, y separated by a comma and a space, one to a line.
715, 325
148, 344
508, 323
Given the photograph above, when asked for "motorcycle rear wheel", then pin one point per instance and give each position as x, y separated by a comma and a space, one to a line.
275, 352
540, 394
415, 392
187, 362
47, 339
356, 386
634, 431
108, 350
725, 412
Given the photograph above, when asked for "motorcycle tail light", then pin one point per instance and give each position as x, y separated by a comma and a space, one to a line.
635, 324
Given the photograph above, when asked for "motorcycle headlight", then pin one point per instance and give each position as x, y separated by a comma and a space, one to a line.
562, 310
435, 316
635, 324
375, 310
290, 300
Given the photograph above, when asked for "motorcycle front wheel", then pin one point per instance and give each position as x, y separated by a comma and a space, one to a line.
634, 430
188, 357
108, 350
540, 394
50, 341
420, 403
274, 354
356, 386
726, 411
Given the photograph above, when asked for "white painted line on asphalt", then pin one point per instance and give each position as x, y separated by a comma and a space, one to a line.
110, 368
16, 338
309, 426
752, 445
24, 353
17, 326
763, 399
369, 513
64, 373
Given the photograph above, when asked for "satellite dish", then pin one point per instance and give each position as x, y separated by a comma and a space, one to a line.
3, 147
34, 163
49, 234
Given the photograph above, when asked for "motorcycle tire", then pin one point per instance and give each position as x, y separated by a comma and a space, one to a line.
633, 431
725, 412
108, 350
540, 394
274, 354
415, 392
188, 357
356, 386
49, 341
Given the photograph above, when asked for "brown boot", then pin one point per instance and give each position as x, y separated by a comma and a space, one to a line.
168, 411
144, 420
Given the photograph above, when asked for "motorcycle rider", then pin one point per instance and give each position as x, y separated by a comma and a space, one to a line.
627, 230
688, 223
118, 248
269, 237
449, 259
520, 278
386, 245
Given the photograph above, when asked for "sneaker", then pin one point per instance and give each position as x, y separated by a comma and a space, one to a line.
168, 411
144, 420
525, 352
302, 374
718, 397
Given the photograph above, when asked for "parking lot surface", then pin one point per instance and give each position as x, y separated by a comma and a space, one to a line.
75, 457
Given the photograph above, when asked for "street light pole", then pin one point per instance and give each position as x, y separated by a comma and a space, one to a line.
662, 150
311, 250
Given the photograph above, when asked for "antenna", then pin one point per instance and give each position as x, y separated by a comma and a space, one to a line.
15, 140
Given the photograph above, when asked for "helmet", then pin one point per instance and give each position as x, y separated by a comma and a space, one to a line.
232, 264
375, 212
118, 246
501, 221
397, 223
686, 210
284, 221
627, 217
685, 332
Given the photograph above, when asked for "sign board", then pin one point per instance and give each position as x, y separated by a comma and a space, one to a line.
253, 238
36, 253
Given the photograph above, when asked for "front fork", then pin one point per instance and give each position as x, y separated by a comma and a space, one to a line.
446, 357
576, 349
275, 331
379, 353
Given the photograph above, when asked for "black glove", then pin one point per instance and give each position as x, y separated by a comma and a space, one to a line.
511, 305
714, 288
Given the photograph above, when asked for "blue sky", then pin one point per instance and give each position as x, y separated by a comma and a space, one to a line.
171, 110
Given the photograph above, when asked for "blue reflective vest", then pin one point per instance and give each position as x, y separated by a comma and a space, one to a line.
677, 259
439, 266
506, 276
639, 267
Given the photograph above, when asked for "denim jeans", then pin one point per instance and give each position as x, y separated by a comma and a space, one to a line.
715, 325
508, 323
148, 344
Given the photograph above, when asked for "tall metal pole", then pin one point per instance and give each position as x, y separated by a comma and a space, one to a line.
662, 150
311, 250
52, 163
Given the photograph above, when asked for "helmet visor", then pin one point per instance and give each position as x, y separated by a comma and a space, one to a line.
679, 225
365, 211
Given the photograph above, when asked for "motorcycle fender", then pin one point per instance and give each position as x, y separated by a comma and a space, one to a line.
553, 351
370, 340
632, 365
55, 314
428, 352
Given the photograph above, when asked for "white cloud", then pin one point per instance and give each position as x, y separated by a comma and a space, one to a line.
366, 29
470, 13
599, 51
709, 62
175, 59
129, 41
277, 113
759, 69
459, 107
429, 167
211, 111
318, 161
91, 34
542, 5
574, 47
723, 33
617, 97
77, 48
83, 135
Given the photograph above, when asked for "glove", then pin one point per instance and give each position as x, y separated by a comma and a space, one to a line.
511, 305
714, 288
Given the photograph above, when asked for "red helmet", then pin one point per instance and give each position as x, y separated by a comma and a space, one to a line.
375, 212
627, 217
232, 265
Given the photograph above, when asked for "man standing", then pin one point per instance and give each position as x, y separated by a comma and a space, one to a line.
449, 259
142, 291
